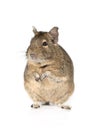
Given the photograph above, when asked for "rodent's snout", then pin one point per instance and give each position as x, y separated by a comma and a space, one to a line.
33, 56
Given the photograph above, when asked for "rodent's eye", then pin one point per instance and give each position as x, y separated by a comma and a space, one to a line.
52, 40
45, 44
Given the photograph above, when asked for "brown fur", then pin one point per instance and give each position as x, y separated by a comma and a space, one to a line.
48, 75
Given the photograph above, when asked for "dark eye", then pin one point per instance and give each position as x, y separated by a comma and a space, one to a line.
52, 40
45, 44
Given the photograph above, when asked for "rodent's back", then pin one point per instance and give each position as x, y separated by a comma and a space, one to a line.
67, 62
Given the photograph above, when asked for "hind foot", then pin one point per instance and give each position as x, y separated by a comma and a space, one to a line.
66, 107
35, 105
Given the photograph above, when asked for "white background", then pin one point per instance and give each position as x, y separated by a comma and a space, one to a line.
75, 21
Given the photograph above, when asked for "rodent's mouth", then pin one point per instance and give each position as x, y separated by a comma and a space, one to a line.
44, 66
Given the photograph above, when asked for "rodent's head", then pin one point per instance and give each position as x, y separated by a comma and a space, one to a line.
43, 46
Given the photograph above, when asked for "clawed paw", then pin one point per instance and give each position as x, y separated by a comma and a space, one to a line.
66, 107
35, 106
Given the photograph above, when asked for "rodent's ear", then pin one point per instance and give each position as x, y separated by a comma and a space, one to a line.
54, 33
35, 30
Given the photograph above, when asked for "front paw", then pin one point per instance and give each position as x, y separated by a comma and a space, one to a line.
45, 75
36, 76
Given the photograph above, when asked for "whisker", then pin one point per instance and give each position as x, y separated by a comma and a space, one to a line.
22, 54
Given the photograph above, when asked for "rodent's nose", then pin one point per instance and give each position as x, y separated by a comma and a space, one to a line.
32, 56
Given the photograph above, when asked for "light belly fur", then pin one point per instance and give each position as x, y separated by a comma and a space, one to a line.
49, 90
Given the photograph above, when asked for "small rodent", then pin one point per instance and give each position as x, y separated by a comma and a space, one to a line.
48, 76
